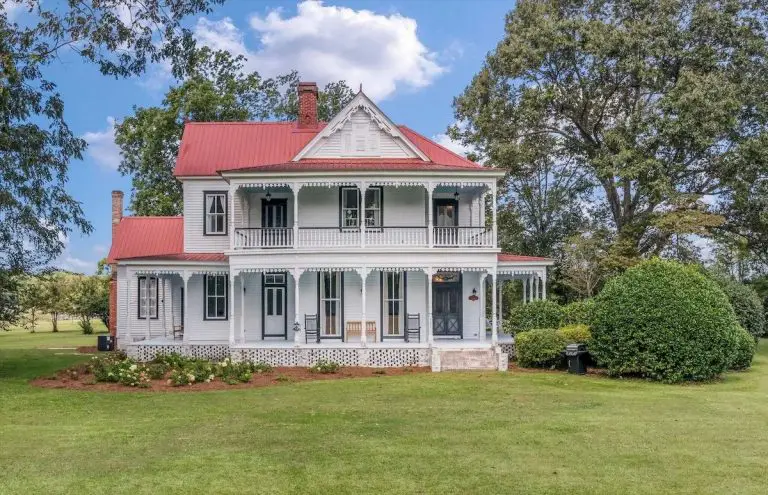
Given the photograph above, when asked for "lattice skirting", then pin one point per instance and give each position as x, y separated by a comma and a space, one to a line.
374, 358
143, 353
508, 348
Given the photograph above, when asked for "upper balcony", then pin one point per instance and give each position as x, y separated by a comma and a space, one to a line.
361, 215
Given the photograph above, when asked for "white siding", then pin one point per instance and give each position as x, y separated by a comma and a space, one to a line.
378, 143
253, 308
194, 210
471, 309
197, 328
319, 207
128, 298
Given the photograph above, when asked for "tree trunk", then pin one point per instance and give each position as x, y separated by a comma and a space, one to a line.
55, 321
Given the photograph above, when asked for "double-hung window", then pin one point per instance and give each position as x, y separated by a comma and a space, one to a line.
216, 297
394, 303
351, 207
147, 297
215, 213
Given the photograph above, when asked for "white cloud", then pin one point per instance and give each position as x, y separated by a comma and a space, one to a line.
100, 249
102, 147
328, 43
13, 8
73, 264
455, 146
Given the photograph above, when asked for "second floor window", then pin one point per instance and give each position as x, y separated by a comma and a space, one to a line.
351, 208
215, 213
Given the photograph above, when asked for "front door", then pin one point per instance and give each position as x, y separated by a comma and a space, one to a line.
273, 305
446, 305
274, 223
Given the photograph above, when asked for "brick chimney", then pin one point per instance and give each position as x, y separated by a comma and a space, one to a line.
117, 210
117, 215
307, 105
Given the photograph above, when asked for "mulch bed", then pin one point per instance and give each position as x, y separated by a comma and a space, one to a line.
78, 378
87, 349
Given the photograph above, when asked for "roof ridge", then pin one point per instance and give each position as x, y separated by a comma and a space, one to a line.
246, 122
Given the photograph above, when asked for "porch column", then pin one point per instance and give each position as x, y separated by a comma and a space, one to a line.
544, 285
363, 337
363, 187
128, 307
483, 316
148, 312
523, 280
494, 323
242, 308
500, 301
232, 276
296, 188
495, 208
430, 336
296, 315
430, 223
185, 326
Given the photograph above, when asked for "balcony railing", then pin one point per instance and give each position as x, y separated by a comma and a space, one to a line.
268, 237
463, 237
334, 237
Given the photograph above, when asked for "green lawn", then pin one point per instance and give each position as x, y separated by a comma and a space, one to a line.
69, 335
425, 433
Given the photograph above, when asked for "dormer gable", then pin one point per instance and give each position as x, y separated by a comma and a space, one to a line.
360, 130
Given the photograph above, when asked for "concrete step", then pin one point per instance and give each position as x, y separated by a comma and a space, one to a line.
467, 359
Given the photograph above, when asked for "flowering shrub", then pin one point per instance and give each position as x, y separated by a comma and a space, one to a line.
232, 372
157, 371
325, 366
116, 368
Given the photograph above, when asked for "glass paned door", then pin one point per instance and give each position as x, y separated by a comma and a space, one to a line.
330, 304
446, 218
446, 305
274, 311
274, 223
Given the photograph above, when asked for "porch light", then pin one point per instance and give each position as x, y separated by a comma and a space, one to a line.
456, 195
269, 196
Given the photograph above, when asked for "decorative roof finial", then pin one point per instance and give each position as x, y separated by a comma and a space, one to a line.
361, 87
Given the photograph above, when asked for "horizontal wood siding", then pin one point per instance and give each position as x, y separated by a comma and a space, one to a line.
199, 329
194, 210
388, 146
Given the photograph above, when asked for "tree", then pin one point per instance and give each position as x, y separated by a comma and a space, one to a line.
36, 145
89, 297
583, 268
217, 90
10, 309
56, 288
33, 302
661, 102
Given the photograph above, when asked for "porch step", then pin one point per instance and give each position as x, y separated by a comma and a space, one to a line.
465, 359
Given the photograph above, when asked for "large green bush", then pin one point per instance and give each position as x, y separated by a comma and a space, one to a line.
576, 334
540, 348
579, 312
664, 321
536, 314
744, 350
746, 304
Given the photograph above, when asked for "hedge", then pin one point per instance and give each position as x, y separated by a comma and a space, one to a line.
576, 334
540, 348
536, 314
664, 321
746, 304
579, 312
744, 350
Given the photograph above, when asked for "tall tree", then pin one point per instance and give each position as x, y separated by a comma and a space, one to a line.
217, 90
661, 102
36, 145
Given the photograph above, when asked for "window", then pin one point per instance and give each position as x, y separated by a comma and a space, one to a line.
143, 297
216, 297
331, 287
215, 213
394, 299
274, 278
350, 207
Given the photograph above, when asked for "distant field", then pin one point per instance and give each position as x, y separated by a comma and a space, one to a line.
69, 335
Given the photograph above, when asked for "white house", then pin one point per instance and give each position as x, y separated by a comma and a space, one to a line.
355, 240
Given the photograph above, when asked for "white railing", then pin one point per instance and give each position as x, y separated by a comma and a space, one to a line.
328, 237
269, 237
396, 236
463, 236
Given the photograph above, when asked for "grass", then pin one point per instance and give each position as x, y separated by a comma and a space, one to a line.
69, 335
428, 433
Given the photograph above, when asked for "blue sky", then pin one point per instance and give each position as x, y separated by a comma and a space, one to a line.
412, 57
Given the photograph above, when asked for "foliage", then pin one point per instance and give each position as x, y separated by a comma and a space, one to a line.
86, 326
233, 372
744, 350
117, 368
217, 90
664, 321
579, 312
575, 334
157, 371
660, 103
540, 348
10, 307
583, 268
57, 287
746, 304
89, 297
36, 211
325, 366
536, 314
33, 302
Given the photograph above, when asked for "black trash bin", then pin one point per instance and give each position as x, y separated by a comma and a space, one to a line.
105, 342
577, 358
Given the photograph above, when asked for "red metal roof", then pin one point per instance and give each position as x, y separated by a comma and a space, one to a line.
156, 238
211, 147
519, 257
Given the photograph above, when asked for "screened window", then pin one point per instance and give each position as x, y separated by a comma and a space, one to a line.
215, 297
350, 207
143, 300
394, 297
215, 213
